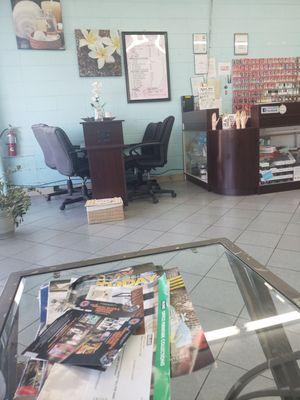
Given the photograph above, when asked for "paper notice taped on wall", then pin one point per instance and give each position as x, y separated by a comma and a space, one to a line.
206, 97
224, 68
196, 83
216, 84
212, 70
201, 63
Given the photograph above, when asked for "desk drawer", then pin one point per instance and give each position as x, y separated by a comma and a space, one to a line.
103, 134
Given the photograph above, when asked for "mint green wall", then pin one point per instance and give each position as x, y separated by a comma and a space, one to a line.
44, 86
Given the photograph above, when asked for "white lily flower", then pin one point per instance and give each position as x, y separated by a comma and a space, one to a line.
91, 38
102, 55
113, 41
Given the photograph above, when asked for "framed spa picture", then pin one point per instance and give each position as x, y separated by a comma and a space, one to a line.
241, 44
146, 64
38, 24
200, 43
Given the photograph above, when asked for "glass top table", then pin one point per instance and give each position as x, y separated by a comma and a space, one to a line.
250, 317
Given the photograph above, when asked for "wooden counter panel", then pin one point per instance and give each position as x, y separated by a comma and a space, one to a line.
233, 161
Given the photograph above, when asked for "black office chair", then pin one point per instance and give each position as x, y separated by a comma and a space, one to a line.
60, 154
150, 135
151, 155
40, 131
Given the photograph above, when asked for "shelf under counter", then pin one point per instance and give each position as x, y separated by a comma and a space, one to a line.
197, 180
278, 187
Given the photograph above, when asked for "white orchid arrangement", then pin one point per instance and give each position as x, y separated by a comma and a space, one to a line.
101, 48
96, 100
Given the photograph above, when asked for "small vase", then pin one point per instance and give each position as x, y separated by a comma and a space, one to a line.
98, 114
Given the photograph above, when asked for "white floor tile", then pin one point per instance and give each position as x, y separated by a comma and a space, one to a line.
167, 239
190, 384
242, 213
222, 270
10, 265
233, 222
198, 263
119, 247
289, 242
261, 225
285, 259
143, 236
251, 205
36, 253
259, 239
274, 216
293, 229
212, 210
65, 256
116, 231
187, 228
288, 276
220, 232
227, 297
280, 206
259, 253
190, 280
222, 377
160, 224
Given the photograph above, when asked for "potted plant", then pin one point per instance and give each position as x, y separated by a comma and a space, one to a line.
14, 203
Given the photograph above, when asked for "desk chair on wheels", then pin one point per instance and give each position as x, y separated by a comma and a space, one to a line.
152, 153
60, 154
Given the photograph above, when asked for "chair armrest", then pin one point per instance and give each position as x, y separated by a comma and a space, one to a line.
143, 145
128, 146
79, 152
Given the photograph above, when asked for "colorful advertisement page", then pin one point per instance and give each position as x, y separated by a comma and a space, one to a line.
82, 338
114, 302
32, 380
128, 377
189, 348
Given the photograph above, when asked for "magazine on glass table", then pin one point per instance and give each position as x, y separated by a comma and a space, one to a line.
32, 380
82, 338
167, 340
141, 370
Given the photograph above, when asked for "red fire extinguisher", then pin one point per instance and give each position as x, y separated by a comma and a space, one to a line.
11, 140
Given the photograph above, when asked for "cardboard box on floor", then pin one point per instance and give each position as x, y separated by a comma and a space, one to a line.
104, 210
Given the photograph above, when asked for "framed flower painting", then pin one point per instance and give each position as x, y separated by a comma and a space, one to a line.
98, 52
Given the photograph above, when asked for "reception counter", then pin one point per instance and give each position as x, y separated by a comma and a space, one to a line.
263, 158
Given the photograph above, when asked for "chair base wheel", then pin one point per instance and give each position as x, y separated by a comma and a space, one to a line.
62, 207
174, 194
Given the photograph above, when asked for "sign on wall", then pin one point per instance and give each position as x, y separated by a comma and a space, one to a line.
98, 52
146, 66
38, 24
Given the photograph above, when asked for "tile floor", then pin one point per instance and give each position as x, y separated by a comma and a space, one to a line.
265, 226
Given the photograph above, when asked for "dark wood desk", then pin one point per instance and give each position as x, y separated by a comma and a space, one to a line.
104, 144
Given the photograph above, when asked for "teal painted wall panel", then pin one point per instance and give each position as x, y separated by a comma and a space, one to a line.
45, 86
